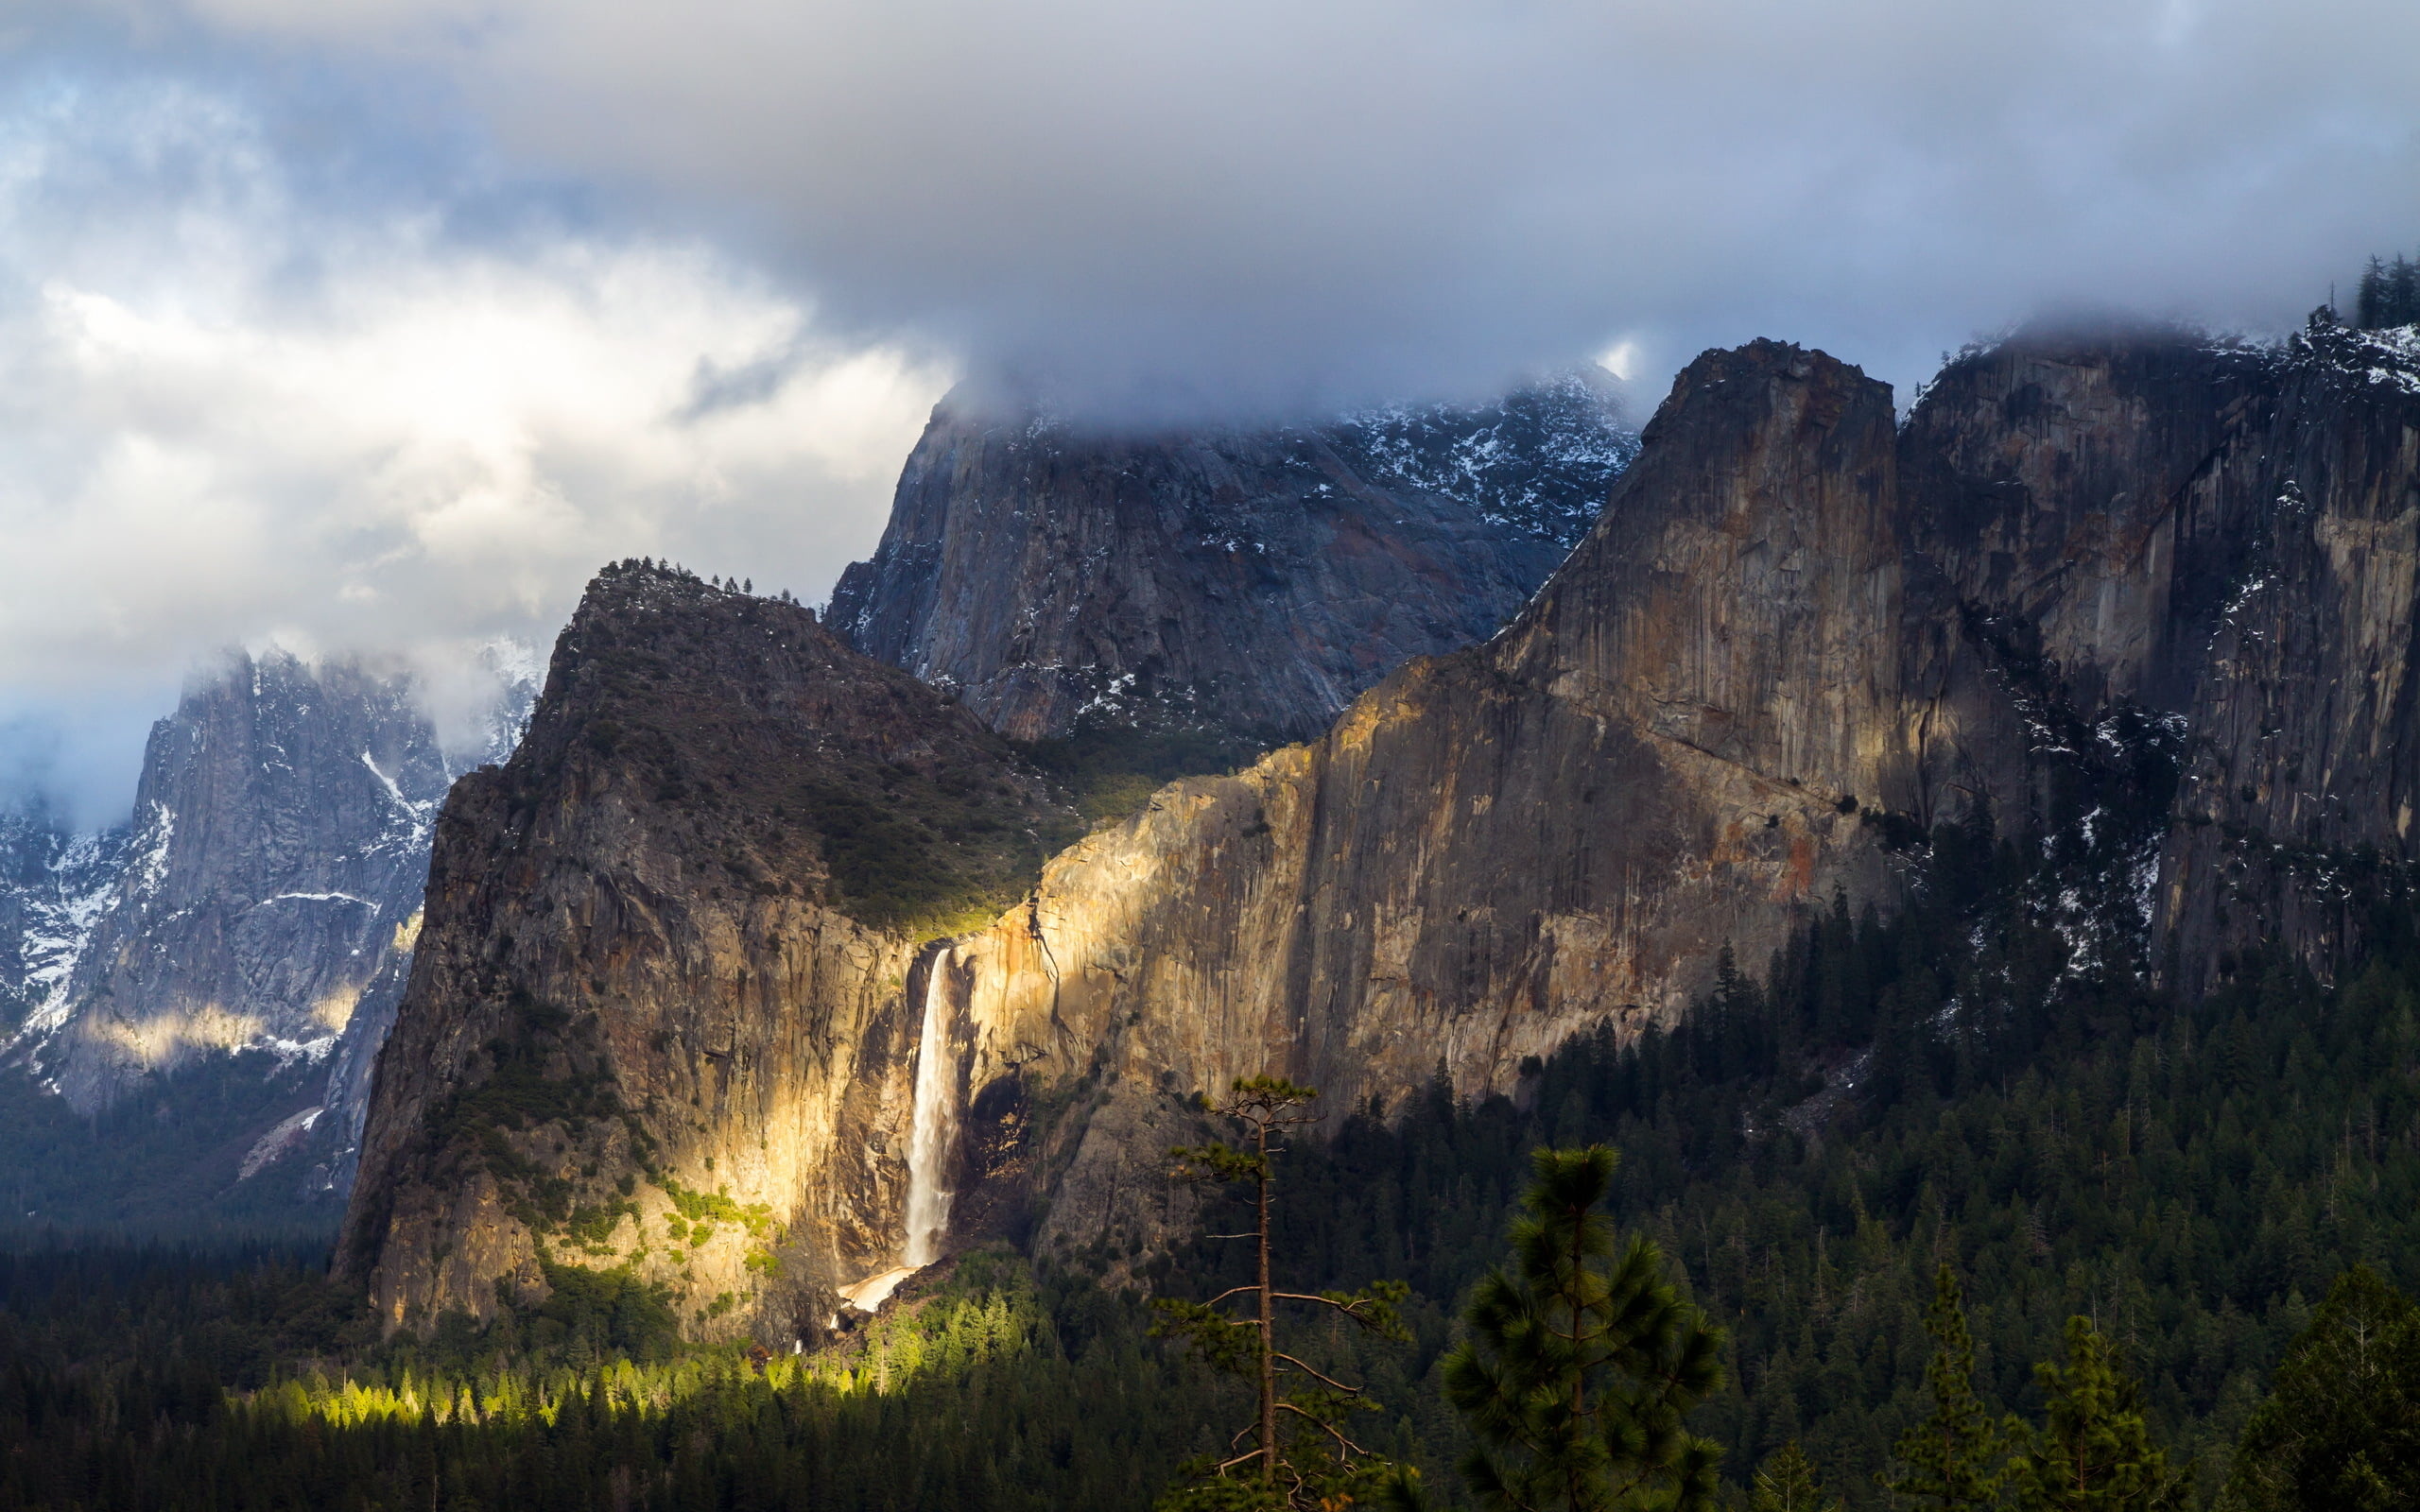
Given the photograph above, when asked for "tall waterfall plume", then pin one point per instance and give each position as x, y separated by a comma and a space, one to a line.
933, 1134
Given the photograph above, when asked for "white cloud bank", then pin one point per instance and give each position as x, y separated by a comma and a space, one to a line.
229, 416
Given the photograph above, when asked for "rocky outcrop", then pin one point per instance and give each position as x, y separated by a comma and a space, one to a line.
1670, 749
2223, 537
2145, 601
54, 883
279, 832
258, 910
1254, 582
658, 1015
1491, 850
1537, 462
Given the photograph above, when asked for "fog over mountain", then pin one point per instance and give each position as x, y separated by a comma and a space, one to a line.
378, 325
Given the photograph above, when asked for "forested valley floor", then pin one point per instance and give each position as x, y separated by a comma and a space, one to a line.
1975, 1080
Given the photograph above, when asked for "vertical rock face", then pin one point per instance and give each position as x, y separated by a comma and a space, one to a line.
54, 883
1250, 581
657, 1015
1492, 850
1497, 847
2147, 601
2302, 779
239, 946
2226, 538
279, 832
2043, 480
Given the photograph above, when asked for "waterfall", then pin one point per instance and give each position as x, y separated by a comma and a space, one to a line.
933, 1134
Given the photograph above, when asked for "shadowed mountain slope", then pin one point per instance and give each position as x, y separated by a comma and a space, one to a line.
1250, 582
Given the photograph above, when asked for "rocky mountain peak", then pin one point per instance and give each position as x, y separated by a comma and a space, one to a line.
663, 987
228, 962
279, 828
1738, 597
1250, 581
760, 1041
1537, 461
870, 786
2142, 607
54, 883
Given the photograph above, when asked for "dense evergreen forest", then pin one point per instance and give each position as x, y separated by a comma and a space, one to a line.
163, 1160
1984, 1080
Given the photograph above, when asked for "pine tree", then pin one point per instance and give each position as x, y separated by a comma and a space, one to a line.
1301, 1456
1785, 1482
2093, 1451
1580, 1369
2389, 293
1946, 1460
2342, 1424
2369, 302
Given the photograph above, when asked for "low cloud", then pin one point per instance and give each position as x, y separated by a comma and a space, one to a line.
1260, 204
232, 415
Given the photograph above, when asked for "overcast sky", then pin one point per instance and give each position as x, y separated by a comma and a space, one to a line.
379, 325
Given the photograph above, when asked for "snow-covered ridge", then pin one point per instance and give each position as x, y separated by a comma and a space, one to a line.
285, 820
1540, 459
56, 892
2387, 357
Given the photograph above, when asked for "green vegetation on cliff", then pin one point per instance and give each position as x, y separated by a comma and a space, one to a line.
1112, 769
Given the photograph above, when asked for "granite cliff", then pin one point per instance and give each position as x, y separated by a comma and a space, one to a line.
2224, 538
1252, 582
661, 1015
2141, 602
229, 961
1491, 850
278, 832
54, 882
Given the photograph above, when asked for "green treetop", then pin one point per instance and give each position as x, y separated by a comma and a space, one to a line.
1946, 1460
1785, 1482
2093, 1451
1582, 1362
2340, 1429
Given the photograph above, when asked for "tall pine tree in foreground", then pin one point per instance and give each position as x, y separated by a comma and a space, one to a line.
1946, 1461
1300, 1456
2093, 1451
1582, 1362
